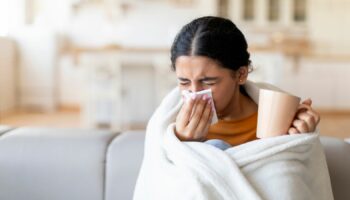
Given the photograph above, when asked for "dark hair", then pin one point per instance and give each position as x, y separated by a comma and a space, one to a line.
214, 37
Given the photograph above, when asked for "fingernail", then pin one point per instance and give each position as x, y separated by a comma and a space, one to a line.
205, 97
209, 101
193, 97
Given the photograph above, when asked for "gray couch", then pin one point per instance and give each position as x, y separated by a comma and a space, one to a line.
62, 164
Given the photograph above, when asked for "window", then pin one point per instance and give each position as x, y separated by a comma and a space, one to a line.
299, 10
248, 10
274, 10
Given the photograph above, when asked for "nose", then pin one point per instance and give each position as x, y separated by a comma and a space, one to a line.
195, 87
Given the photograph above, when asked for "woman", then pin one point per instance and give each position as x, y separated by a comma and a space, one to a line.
211, 52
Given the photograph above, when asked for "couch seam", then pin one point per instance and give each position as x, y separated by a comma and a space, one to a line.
6, 132
105, 165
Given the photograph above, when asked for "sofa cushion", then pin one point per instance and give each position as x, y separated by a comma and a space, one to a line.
124, 158
338, 160
55, 164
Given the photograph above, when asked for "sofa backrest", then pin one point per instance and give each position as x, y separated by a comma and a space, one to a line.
54, 164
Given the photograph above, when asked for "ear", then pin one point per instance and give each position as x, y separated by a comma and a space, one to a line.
242, 75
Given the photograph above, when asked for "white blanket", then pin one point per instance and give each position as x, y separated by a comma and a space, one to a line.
281, 168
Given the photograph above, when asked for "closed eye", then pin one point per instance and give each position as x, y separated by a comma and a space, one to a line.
209, 82
206, 81
183, 83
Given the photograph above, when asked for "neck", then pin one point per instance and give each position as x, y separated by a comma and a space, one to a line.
239, 107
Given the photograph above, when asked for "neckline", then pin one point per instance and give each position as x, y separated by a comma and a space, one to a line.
238, 120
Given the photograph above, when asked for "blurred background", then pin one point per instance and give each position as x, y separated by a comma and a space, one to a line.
105, 64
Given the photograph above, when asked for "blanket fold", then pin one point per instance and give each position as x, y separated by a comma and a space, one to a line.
284, 167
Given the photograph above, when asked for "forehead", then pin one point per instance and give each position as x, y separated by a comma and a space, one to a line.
195, 66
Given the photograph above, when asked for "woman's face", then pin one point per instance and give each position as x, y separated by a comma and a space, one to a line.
196, 73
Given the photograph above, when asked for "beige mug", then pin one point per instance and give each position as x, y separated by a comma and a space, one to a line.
276, 112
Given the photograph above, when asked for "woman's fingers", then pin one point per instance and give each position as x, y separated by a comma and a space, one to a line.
306, 121
309, 120
307, 102
292, 131
184, 115
315, 115
183, 118
306, 118
204, 122
311, 111
301, 126
193, 120
197, 113
206, 128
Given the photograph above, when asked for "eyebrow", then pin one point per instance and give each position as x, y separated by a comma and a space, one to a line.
183, 79
202, 79
209, 79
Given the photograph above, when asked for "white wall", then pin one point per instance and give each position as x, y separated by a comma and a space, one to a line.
37, 71
144, 25
329, 25
156, 26
207, 7
70, 82
324, 80
7, 75
147, 25
123, 88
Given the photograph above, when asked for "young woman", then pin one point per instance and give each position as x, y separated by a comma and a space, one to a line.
211, 52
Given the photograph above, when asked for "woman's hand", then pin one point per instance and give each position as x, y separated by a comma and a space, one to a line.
193, 120
305, 120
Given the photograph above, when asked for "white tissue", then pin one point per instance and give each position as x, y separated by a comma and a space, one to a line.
188, 95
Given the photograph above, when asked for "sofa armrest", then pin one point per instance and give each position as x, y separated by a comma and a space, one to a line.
124, 158
338, 160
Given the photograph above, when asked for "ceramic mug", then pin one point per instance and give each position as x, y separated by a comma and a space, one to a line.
276, 112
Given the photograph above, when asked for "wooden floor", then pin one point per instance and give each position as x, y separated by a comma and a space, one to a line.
61, 119
332, 124
335, 124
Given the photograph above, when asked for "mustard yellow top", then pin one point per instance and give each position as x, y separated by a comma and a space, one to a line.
235, 132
